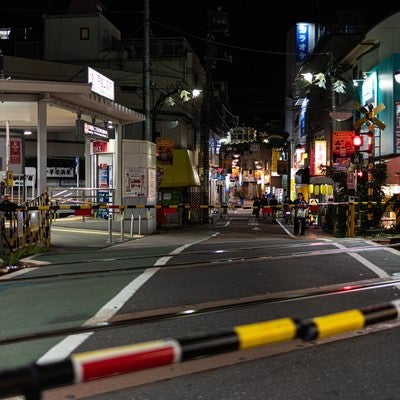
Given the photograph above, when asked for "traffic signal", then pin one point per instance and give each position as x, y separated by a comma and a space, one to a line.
359, 173
357, 141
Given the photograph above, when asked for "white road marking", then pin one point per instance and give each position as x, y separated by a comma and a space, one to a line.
380, 272
62, 350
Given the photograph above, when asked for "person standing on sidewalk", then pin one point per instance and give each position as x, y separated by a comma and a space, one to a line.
256, 207
264, 206
273, 202
300, 215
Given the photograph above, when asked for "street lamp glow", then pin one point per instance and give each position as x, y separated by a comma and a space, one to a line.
196, 93
187, 96
308, 77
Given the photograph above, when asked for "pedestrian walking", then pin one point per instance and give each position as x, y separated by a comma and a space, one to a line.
300, 215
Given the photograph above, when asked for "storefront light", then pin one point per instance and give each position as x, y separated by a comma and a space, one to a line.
397, 76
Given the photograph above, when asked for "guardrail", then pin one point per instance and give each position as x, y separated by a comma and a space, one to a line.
31, 380
23, 226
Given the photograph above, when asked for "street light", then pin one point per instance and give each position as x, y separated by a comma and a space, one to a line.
166, 98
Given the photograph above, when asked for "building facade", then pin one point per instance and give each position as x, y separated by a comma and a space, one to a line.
351, 68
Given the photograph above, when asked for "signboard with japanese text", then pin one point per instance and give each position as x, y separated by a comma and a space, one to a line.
15, 151
370, 89
101, 84
343, 144
397, 139
342, 149
318, 157
92, 131
100, 147
305, 40
276, 154
302, 34
135, 182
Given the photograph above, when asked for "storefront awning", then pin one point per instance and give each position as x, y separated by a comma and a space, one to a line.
74, 97
181, 173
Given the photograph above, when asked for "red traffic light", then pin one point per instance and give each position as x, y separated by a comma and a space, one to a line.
357, 141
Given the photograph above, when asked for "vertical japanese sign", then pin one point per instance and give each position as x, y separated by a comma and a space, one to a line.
397, 143
319, 156
302, 41
15, 151
276, 154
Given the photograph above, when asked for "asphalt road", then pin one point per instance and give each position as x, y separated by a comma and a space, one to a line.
237, 272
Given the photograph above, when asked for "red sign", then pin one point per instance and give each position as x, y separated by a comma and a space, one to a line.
343, 144
100, 147
15, 151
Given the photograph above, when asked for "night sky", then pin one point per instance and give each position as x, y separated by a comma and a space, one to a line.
256, 42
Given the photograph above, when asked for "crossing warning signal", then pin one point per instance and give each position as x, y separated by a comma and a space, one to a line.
369, 113
357, 142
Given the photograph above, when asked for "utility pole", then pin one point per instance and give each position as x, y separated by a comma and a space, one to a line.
217, 24
204, 142
147, 135
371, 152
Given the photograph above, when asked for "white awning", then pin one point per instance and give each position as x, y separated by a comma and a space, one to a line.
74, 97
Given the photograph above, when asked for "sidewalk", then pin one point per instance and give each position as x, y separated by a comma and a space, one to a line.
169, 234
176, 235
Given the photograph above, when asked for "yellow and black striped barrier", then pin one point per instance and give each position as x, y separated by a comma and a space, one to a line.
30, 381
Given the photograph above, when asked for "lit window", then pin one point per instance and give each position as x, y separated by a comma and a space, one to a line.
4, 33
84, 33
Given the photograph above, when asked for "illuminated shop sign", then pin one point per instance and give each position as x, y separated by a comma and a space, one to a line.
302, 36
92, 131
305, 40
101, 84
370, 89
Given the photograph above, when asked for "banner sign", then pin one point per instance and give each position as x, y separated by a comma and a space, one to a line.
15, 151
101, 84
